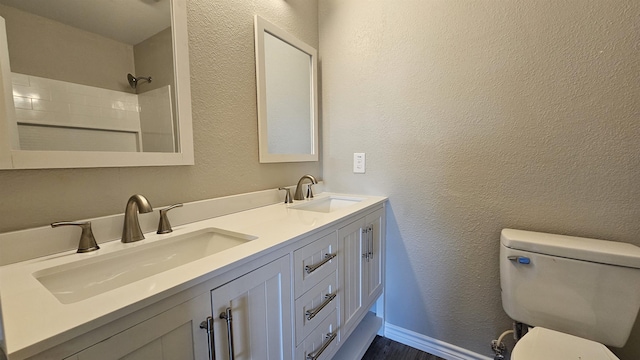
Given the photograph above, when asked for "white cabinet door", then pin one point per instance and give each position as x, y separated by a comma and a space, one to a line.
361, 268
252, 315
351, 273
172, 335
373, 264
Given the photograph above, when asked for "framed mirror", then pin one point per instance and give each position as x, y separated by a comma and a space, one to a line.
286, 75
98, 83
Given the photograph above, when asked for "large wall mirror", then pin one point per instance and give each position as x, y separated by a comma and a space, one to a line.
97, 83
286, 75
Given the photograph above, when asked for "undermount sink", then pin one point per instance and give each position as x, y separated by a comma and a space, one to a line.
328, 204
80, 280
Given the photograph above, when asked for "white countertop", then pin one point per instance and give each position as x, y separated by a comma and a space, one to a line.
31, 314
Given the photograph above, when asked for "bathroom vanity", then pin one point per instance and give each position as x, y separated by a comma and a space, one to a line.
281, 281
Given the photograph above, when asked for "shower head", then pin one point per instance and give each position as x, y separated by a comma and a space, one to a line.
133, 81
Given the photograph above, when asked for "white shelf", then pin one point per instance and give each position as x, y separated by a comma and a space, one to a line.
360, 339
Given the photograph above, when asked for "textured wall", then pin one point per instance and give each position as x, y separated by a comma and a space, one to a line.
475, 116
224, 120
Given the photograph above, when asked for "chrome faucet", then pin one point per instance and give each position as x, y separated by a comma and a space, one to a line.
299, 195
131, 229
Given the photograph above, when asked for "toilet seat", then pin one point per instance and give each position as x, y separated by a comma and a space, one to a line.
540, 343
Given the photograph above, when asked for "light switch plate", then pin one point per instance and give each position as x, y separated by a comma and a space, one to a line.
358, 163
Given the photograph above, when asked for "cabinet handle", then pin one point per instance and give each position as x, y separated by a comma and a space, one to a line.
365, 243
311, 268
371, 241
331, 336
310, 314
208, 326
226, 315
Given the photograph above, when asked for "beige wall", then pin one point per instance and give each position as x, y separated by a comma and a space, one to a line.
476, 116
225, 126
36, 48
154, 57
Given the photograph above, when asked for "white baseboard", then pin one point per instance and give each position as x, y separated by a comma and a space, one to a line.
430, 345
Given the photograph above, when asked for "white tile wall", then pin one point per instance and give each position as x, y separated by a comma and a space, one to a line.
50, 113
156, 120
58, 103
75, 139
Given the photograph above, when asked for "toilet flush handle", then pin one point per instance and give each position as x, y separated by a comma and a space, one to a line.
520, 259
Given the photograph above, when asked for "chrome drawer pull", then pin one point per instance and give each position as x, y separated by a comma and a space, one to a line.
311, 268
365, 235
310, 314
208, 326
331, 337
226, 315
370, 254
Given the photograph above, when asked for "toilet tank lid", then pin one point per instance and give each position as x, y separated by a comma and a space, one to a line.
599, 251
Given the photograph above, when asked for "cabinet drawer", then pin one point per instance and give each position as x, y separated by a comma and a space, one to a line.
322, 343
314, 262
315, 305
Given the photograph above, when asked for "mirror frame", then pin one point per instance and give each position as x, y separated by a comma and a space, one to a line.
10, 158
261, 27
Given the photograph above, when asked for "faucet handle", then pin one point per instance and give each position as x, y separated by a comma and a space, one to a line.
164, 227
309, 191
87, 240
287, 195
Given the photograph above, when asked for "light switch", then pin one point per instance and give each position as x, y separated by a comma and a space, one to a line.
358, 163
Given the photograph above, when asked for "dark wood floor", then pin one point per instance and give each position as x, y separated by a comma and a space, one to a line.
386, 349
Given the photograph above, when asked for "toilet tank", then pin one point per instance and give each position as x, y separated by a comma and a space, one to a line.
584, 287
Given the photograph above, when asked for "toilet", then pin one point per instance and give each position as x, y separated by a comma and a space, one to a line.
577, 294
